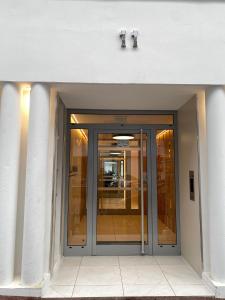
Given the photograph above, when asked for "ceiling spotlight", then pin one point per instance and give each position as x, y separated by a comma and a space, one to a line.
123, 137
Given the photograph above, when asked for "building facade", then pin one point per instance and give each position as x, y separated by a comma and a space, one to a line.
111, 135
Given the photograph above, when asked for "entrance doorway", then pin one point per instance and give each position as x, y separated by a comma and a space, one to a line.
121, 212
121, 193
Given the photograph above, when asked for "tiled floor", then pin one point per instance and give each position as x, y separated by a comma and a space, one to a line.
125, 276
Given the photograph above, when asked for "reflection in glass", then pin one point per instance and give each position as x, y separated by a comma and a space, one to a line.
77, 212
119, 192
121, 119
166, 187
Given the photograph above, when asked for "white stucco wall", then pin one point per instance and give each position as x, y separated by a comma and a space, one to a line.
78, 41
188, 160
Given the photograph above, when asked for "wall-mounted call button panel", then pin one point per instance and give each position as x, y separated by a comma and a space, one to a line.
192, 185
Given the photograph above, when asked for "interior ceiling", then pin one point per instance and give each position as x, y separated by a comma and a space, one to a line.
125, 96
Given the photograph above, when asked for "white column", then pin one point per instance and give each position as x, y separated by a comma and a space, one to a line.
215, 122
35, 190
10, 120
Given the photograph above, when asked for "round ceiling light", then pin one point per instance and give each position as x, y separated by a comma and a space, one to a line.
123, 137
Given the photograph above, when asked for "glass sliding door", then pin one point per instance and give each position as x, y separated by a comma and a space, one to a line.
121, 190
119, 193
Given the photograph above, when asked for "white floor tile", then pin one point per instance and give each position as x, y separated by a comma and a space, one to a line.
71, 261
150, 275
192, 290
148, 290
181, 275
65, 275
100, 261
58, 291
170, 260
109, 275
141, 276
98, 291
137, 260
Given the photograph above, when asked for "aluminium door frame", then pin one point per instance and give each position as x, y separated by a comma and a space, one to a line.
88, 249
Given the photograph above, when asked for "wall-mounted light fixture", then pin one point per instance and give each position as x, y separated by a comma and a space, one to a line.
25, 99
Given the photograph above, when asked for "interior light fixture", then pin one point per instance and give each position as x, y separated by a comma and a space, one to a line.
123, 137
25, 99
115, 153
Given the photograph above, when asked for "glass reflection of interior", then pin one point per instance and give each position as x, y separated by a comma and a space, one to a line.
77, 212
121, 119
166, 187
119, 190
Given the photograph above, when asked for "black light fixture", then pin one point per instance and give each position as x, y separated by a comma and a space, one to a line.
123, 137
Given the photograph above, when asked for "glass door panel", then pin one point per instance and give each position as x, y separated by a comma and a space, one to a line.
77, 211
119, 189
166, 193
